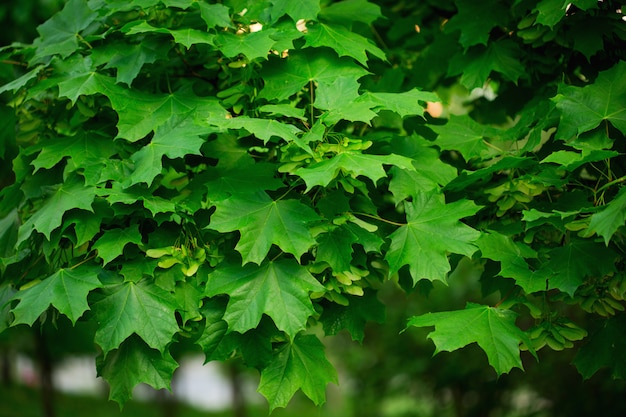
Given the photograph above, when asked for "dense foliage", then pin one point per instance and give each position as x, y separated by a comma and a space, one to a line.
244, 176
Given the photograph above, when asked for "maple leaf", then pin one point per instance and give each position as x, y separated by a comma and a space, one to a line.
493, 329
279, 289
299, 364
135, 307
353, 317
612, 216
215, 15
265, 129
263, 222
58, 35
605, 348
72, 194
433, 230
511, 255
216, 342
111, 244
288, 76
463, 134
304, 9
66, 290
342, 41
584, 108
340, 98
135, 363
335, 248
352, 164
176, 138
246, 178
81, 149
570, 264
478, 62
129, 59
407, 103
349, 11
476, 31
252, 45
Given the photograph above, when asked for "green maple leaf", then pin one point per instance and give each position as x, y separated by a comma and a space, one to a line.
300, 364
612, 216
279, 289
140, 113
605, 348
216, 342
430, 174
60, 34
351, 164
335, 248
463, 134
129, 59
342, 41
585, 108
286, 77
570, 264
433, 230
264, 129
493, 329
476, 31
304, 9
551, 12
349, 11
111, 244
341, 98
176, 138
263, 222
81, 149
72, 194
247, 178
215, 15
135, 363
407, 103
511, 255
135, 307
476, 65
353, 317
66, 290
252, 45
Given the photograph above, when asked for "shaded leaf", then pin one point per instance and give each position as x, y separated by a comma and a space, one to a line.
134, 363
354, 316
584, 108
299, 364
111, 244
612, 216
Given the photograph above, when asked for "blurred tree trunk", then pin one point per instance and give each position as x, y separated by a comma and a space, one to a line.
238, 398
45, 375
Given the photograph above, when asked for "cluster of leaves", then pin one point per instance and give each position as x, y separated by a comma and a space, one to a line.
234, 175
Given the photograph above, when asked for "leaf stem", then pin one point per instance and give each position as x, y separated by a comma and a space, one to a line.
379, 218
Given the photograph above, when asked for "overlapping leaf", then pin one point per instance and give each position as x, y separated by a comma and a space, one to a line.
299, 364
134, 363
279, 289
